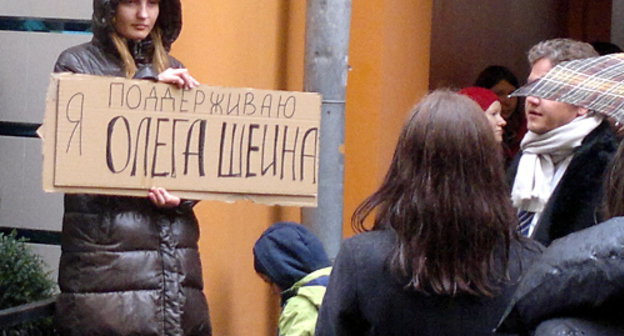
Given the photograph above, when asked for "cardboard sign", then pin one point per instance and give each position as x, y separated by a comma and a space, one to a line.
110, 135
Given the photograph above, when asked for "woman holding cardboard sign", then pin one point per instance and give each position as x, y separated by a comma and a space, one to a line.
130, 265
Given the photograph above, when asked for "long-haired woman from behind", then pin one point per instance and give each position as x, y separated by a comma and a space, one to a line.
443, 255
130, 265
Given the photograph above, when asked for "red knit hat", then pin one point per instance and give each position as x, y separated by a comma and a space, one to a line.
484, 97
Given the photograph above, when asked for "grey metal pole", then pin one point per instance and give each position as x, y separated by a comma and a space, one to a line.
326, 67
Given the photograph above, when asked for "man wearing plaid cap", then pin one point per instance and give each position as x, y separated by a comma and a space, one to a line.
558, 177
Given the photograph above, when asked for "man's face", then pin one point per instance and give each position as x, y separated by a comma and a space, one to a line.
544, 115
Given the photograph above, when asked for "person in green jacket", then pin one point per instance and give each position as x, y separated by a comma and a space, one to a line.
293, 261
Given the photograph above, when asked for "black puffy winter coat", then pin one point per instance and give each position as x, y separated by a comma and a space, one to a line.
575, 288
128, 267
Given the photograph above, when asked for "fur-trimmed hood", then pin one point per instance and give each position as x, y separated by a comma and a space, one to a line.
169, 20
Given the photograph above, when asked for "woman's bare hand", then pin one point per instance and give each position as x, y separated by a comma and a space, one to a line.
178, 77
162, 198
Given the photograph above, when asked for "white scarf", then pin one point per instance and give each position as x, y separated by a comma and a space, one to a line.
540, 155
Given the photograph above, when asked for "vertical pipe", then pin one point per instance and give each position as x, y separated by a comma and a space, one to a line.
326, 57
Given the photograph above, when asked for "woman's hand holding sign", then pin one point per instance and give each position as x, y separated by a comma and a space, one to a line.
162, 198
178, 77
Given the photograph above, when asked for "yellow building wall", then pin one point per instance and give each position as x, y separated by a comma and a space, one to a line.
389, 57
261, 45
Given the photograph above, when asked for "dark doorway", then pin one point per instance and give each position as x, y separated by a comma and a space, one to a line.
469, 35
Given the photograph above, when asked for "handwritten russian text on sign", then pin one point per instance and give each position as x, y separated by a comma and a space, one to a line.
112, 135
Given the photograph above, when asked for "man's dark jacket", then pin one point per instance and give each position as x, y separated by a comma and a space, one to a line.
575, 202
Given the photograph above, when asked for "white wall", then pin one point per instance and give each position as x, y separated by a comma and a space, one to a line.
27, 61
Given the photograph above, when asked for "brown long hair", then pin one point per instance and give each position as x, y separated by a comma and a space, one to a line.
446, 198
160, 58
613, 204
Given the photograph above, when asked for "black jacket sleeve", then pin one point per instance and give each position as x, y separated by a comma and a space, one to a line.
340, 314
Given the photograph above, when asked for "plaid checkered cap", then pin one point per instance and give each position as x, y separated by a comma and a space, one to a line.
595, 83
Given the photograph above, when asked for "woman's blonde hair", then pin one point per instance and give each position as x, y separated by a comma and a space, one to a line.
160, 58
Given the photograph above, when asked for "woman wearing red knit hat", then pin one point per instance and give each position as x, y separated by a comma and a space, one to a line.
490, 104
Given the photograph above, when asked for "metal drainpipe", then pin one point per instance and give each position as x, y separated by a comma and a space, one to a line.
326, 67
